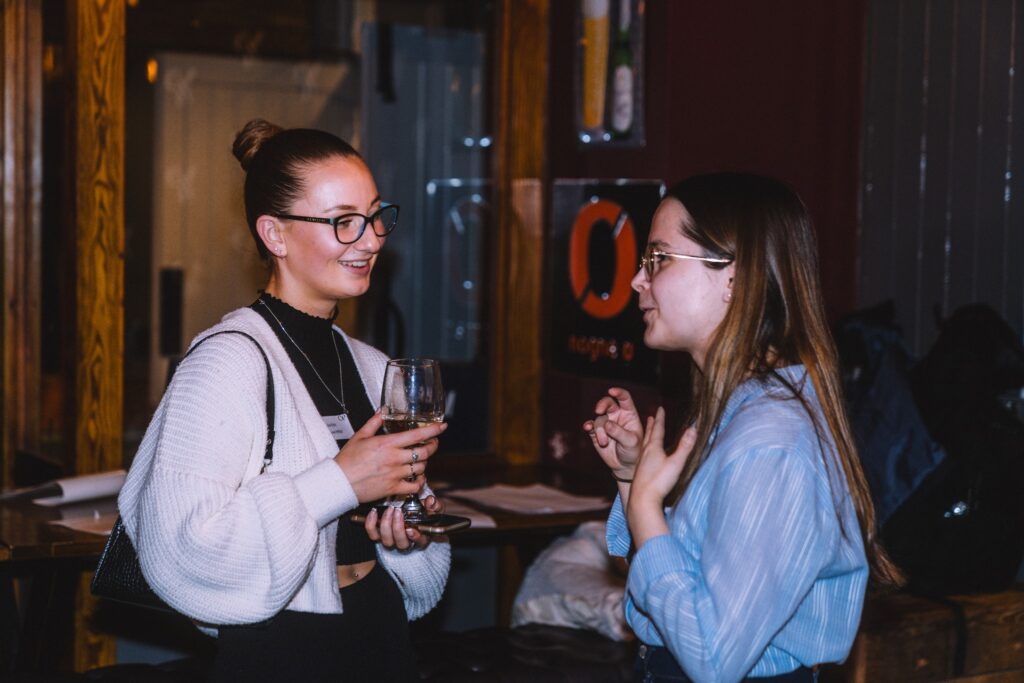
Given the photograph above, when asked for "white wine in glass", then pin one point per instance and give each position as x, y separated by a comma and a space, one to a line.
393, 424
412, 397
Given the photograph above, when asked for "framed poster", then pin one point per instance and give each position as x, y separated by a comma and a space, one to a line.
598, 231
609, 73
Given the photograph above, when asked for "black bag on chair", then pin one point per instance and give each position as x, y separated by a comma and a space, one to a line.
962, 531
118, 575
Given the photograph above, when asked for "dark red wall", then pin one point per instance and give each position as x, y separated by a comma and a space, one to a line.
770, 87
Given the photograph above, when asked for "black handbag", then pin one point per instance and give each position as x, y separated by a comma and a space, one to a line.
118, 574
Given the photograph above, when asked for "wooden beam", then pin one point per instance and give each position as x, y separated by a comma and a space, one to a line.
97, 40
99, 230
21, 216
520, 173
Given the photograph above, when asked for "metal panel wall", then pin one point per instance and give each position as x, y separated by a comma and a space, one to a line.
424, 140
942, 221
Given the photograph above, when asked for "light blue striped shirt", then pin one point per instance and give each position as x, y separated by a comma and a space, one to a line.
756, 576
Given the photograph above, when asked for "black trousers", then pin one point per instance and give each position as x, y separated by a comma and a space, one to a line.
657, 665
368, 642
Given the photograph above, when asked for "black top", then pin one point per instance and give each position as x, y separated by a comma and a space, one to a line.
296, 329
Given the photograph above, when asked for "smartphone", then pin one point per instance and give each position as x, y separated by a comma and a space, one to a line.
442, 524
434, 524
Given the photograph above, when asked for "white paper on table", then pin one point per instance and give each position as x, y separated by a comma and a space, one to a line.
535, 499
478, 520
88, 508
86, 487
97, 524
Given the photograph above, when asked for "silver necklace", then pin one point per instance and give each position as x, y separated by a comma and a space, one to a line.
337, 354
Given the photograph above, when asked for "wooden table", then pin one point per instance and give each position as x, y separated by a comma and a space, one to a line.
518, 537
40, 566
49, 559
26, 534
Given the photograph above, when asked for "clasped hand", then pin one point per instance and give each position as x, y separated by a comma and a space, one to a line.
635, 451
617, 432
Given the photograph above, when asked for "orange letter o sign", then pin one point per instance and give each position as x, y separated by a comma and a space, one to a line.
612, 304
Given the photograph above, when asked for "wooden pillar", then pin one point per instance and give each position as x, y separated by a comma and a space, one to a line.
520, 173
21, 215
96, 40
98, 143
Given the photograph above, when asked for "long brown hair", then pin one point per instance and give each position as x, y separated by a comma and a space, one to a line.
776, 318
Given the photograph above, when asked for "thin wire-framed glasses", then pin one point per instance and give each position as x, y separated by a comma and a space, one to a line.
349, 227
653, 257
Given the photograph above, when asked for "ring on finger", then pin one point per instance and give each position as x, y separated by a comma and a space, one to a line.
415, 456
412, 471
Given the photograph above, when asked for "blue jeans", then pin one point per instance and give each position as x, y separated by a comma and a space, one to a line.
657, 665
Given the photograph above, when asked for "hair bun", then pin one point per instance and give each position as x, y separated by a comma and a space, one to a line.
251, 138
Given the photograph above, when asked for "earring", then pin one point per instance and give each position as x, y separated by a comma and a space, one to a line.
727, 297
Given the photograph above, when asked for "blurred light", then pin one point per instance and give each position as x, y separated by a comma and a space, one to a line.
49, 60
152, 68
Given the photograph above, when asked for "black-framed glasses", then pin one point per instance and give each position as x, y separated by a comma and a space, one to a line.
349, 227
653, 257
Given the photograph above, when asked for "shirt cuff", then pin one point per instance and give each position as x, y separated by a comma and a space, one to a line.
617, 535
657, 557
326, 491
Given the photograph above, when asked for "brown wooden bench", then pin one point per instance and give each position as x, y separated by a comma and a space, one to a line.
966, 638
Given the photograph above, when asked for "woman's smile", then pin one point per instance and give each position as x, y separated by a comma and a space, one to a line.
360, 267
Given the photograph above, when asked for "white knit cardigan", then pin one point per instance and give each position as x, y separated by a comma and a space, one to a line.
224, 544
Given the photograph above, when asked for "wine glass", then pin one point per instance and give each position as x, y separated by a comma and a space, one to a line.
412, 397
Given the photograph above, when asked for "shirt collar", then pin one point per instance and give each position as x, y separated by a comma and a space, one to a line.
758, 386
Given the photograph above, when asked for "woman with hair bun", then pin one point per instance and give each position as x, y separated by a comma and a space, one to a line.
752, 541
266, 559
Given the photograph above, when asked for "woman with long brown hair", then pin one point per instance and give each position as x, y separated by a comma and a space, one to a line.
754, 539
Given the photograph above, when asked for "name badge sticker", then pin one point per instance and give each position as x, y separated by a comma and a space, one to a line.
340, 426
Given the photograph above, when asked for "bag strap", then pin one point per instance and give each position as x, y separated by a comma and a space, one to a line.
268, 453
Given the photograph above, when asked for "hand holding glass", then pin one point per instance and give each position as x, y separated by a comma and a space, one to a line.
412, 397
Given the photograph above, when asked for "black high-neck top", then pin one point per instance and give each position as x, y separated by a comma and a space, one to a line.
298, 330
